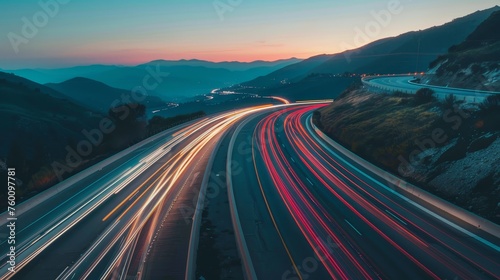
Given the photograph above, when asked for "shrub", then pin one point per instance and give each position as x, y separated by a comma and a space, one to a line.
449, 102
491, 104
424, 95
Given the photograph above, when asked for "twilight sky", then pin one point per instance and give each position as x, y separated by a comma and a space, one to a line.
77, 32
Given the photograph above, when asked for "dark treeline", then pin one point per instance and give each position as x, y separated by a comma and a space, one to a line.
126, 125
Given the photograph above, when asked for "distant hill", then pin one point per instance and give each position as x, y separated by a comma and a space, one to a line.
228, 65
409, 52
30, 85
474, 63
290, 73
185, 79
314, 86
99, 96
38, 126
44, 76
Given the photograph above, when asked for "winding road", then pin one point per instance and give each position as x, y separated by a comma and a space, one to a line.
301, 207
404, 84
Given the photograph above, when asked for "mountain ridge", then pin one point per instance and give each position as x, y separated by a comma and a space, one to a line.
98, 96
398, 54
474, 63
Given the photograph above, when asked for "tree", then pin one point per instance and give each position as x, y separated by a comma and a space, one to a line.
424, 95
449, 102
490, 104
130, 122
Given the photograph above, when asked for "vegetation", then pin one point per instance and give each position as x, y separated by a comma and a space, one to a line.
424, 95
42, 128
472, 63
387, 129
449, 102
485, 34
376, 126
130, 123
157, 124
491, 104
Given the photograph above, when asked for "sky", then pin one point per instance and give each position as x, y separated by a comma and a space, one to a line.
62, 33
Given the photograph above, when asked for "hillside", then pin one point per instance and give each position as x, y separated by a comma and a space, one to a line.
37, 127
48, 139
474, 63
99, 96
409, 52
312, 87
439, 146
291, 73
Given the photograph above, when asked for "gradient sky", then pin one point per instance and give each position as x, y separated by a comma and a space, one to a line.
133, 32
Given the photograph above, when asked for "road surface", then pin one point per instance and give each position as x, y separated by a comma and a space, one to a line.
300, 206
404, 84
330, 217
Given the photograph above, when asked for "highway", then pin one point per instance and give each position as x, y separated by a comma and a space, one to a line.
98, 226
403, 83
300, 208
329, 217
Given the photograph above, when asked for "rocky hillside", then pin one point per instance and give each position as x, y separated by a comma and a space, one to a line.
473, 64
446, 148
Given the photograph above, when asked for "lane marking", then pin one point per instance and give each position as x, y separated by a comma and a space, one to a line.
325, 144
396, 217
353, 227
309, 181
294, 265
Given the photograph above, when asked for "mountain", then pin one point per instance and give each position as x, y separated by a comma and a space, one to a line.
99, 96
37, 127
289, 73
178, 80
171, 80
229, 65
44, 76
474, 63
409, 52
30, 85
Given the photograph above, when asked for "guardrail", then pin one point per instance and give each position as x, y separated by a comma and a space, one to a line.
376, 87
467, 95
415, 194
41, 197
455, 89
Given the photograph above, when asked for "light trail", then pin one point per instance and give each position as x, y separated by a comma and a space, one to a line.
152, 193
142, 200
310, 200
